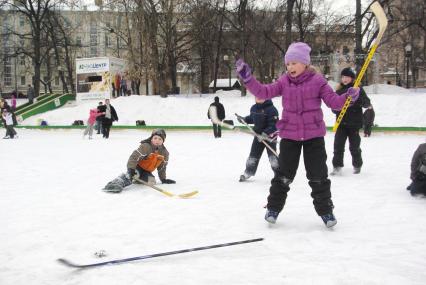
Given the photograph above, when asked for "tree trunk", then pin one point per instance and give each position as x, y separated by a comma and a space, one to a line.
289, 22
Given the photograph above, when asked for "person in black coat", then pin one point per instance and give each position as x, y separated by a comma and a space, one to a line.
264, 116
109, 117
368, 120
349, 126
99, 119
217, 130
418, 171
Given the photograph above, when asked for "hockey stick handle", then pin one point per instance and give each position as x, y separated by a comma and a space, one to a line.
117, 261
259, 137
154, 187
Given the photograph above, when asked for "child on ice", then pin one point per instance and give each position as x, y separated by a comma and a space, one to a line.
8, 121
350, 125
151, 155
418, 171
301, 127
263, 115
91, 121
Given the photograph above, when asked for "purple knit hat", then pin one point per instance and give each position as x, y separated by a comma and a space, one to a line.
298, 52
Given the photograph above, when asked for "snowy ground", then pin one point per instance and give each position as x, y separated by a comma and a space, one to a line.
51, 206
394, 106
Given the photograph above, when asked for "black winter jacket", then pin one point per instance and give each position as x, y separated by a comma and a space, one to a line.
353, 116
264, 117
219, 109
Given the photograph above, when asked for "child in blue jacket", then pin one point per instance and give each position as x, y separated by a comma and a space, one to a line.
264, 116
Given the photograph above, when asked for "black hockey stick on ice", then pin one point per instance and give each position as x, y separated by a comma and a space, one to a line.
119, 261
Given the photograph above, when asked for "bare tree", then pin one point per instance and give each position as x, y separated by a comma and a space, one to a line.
35, 13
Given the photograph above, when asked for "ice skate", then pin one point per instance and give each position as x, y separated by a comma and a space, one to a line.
336, 171
357, 170
329, 220
271, 216
244, 177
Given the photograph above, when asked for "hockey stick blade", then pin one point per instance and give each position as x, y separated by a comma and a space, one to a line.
184, 195
68, 263
215, 119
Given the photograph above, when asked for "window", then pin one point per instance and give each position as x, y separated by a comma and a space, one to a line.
7, 81
7, 73
57, 80
93, 51
345, 50
23, 80
107, 41
22, 60
78, 40
21, 21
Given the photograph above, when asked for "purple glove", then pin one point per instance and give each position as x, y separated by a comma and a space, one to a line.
274, 136
353, 93
243, 70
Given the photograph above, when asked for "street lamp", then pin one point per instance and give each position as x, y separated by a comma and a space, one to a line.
407, 58
226, 59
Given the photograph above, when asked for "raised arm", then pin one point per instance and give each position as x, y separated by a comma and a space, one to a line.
264, 91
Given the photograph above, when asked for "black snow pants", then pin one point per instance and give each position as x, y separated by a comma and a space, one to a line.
340, 137
217, 130
256, 152
315, 158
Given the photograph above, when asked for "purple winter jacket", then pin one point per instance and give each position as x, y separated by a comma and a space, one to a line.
302, 118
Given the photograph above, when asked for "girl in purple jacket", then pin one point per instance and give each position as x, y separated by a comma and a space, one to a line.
301, 127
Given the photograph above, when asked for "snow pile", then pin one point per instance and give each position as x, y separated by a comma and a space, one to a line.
387, 89
393, 109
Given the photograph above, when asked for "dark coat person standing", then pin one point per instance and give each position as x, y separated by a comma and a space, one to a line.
30, 94
349, 126
109, 117
99, 119
217, 130
418, 171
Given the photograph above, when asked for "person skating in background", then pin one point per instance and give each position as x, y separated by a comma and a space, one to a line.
13, 102
217, 129
418, 171
349, 126
150, 155
99, 119
108, 118
30, 94
368, 120
123, 86
264, 116
93, 114
301, 127
8, 123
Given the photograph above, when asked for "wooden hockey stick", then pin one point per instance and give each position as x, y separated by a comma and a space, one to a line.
383, 23
185, 195
250, 131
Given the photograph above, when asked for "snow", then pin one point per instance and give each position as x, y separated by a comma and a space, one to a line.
393, 109
51, 205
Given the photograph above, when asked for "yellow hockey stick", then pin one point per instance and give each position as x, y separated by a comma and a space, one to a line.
383, 23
